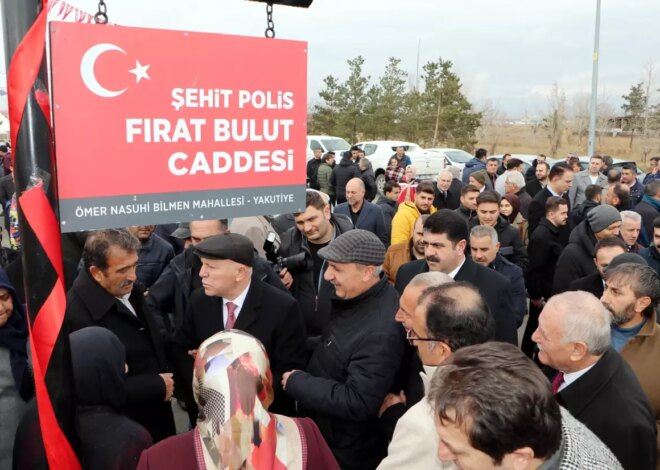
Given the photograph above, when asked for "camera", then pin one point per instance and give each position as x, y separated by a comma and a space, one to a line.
293, 263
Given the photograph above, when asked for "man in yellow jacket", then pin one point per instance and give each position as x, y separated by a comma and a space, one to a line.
404, 220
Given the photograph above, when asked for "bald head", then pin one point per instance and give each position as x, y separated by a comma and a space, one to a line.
355, 192
457, 313
413, 291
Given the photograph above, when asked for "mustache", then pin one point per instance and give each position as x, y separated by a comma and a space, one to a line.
126, 284
432, 259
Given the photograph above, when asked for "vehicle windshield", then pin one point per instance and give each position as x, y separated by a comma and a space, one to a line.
333, 145
458, 156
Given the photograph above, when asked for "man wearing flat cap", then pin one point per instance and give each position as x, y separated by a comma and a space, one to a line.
232, 297
353, 367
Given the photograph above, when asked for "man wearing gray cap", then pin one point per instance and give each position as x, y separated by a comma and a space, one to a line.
353, 367
576, 260
232, 297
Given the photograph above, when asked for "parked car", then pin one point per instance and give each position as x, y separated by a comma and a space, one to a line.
452, 157
616, 163
379, 153
326, 143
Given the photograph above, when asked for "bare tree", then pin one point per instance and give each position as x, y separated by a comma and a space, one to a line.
555, 121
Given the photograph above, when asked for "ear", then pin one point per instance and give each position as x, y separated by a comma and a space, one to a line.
442, 351
642, 304
326, 211
518, 459
96, 273
498, 246
595, 262
580, 350
368, 273
461, 245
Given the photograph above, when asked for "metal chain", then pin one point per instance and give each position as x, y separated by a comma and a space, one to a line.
101, 16
270, 30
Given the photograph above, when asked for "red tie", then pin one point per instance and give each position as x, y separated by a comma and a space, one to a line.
231, 315
556, 383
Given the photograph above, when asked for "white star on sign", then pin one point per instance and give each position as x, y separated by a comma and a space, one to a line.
140, 71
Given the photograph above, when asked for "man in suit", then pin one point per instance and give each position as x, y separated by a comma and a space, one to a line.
591, 175
447, 191
561, 180
604, 252
445, 239
232, 297
364, 214
594, 383
106, 294
629, 178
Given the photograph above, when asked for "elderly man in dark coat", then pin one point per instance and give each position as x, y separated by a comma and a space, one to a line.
105, 294
593, 382
354, 366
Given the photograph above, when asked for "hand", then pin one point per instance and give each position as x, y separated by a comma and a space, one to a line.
169, 386
538, 303
390, 400
192, 353
286, 277
285, 377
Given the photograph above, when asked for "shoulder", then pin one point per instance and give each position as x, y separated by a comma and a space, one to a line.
174, 452
341, 208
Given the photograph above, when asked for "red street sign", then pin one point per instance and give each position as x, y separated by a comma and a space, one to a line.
155, 126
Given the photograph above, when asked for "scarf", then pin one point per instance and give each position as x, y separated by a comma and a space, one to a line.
232, 385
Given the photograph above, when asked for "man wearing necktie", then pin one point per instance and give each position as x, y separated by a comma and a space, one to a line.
232, 297
593, 382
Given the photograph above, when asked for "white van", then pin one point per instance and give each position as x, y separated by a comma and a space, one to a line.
327, 143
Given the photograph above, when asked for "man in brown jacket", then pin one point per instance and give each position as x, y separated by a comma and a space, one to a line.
401, 253
632, 294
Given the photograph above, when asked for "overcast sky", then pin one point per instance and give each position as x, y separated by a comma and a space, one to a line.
507, 52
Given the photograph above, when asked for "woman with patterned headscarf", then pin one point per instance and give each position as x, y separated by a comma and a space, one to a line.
232, 385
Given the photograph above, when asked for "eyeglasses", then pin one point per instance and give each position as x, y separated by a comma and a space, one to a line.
411, 336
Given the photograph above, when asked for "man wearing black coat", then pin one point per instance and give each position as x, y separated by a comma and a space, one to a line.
561, 180
354, 365
605, 251
539, 178
105, 294
545, 247
649, 209
447, 191
389, 205
594, 383
168, 297
488, 213
342, 173
577, 259
315, 228
232, 297
445, 240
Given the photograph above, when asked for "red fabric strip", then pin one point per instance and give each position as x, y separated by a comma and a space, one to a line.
39, 214
23, 71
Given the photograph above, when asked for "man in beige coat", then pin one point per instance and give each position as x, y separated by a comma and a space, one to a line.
632, 294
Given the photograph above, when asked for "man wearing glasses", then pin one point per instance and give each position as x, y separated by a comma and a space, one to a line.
445, 239
447, 317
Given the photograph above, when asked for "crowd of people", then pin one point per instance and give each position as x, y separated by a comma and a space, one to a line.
485, 319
